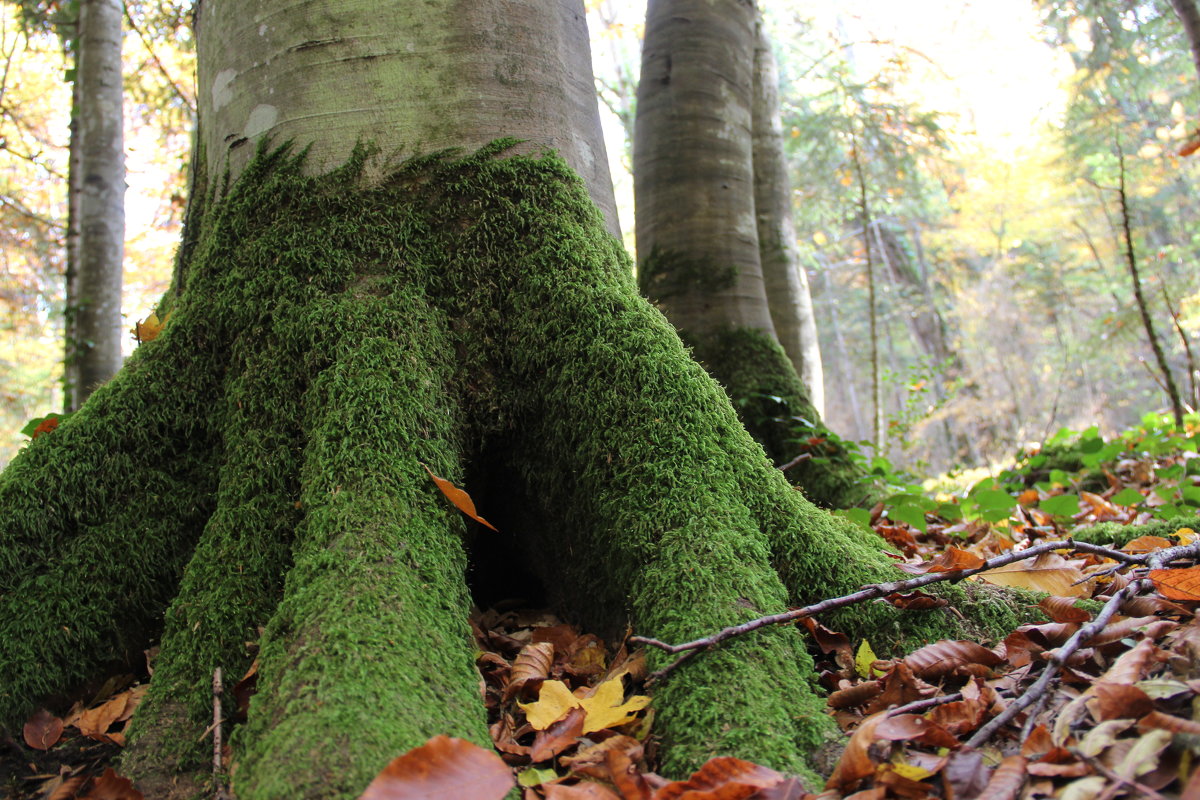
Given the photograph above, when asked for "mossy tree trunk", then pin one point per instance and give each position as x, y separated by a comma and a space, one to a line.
257, 472
698, 229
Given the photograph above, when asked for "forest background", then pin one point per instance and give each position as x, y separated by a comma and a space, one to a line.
991, 137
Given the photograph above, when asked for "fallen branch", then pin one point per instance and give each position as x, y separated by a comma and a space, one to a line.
880, 590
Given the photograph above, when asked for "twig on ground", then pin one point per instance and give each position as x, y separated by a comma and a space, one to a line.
878, 590
218, 777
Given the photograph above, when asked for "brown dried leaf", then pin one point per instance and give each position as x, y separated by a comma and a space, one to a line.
530, 669
1048, 572
1133, 665
442, 767
625, 776
856, 762
558, 737
1062, 609
914, 728
1007, 780
460, 498
964, 775
592, 760
1118, 701
111, 786
947, 657
900, 686
916, 601
949, 560
716, 775
1167, 722
42, 730
1146, 544
855, 695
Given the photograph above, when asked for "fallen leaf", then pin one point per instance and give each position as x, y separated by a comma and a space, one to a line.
111, 786
948, 657
953, 558
442, 767
1177, 584
1048, 572
718, 774
42, 730
1062, 609
149, 329
606, 707
461, 499
558, 737
529, 669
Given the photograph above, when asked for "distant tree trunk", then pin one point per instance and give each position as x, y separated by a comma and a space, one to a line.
1189, 15
94, 280
697, 229
786, 281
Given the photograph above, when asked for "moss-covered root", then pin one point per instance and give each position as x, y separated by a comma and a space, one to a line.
98, 518
757, 375
369, 652
625, 453
233, 582
1113, 534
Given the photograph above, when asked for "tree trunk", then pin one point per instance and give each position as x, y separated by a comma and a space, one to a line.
1189, 15
94, 274
785, 279
697, 230
260, 466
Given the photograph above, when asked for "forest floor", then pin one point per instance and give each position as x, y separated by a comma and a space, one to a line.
1102, 700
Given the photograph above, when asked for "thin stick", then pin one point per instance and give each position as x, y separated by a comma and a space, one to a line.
878, 590
217, 690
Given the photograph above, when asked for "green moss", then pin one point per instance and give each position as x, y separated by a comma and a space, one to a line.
774, 406
470, 314
1116, 535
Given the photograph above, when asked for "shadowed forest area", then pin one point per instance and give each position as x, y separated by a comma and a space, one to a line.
833, 436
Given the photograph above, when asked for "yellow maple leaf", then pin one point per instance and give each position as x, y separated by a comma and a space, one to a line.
606, 707
150, 328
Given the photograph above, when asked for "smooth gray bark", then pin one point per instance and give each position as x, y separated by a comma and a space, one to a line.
94, 351
692, 168
282, 70
786, 281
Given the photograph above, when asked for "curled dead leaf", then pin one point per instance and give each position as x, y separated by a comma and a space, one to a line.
442, 767
461, 500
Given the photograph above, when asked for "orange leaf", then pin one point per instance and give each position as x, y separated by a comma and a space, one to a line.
1177, 584
45, 426
721, 773
558, 737
953, 558
461, 499
1062, 609
111, 786
42, 730
442, 767
1146, 544
1191, 145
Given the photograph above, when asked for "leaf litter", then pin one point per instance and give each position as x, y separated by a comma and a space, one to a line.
1107, 703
